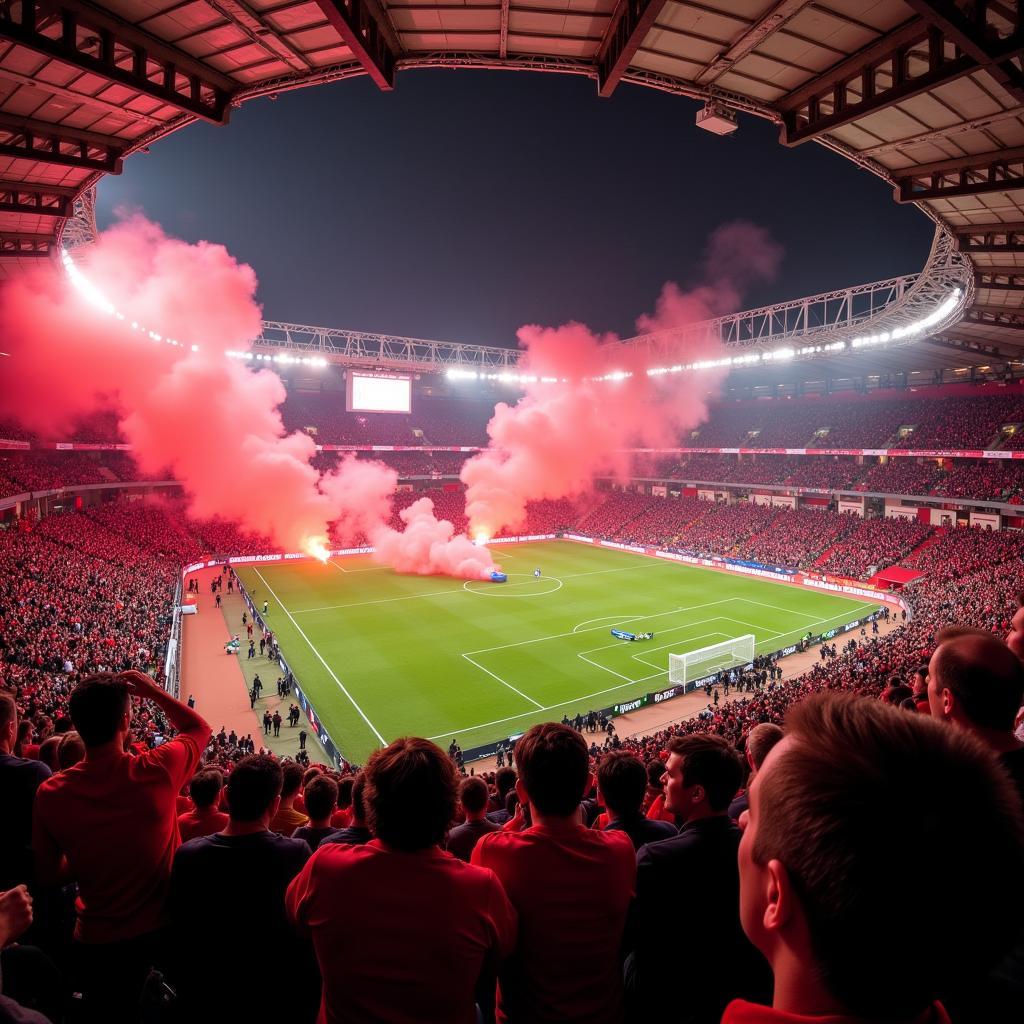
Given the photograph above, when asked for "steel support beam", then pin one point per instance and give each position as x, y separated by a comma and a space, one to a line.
503, 42
41, 200
992, 238
1009, 320
751, 37
998, 171
633, 20
978, 40
1002, 279
100, 44
26, 139
904, 63
354, 22
20, 244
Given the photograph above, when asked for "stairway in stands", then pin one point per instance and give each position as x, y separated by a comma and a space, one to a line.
940, 531
823, 557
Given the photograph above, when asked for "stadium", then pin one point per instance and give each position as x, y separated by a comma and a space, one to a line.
582, 645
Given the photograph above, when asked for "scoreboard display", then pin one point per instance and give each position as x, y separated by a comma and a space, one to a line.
377, 392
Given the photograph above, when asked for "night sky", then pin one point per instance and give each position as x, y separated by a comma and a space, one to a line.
465, 204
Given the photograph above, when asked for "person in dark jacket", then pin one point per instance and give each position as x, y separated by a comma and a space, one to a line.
621, 784
692, 880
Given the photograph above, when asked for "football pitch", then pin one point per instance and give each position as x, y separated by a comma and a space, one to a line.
382, 655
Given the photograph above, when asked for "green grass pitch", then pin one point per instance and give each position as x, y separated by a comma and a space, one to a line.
382, 655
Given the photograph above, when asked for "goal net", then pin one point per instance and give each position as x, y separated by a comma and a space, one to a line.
683, 669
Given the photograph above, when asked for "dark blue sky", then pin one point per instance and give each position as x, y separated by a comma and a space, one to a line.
467, 203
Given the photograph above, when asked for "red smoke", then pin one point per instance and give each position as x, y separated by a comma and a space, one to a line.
211, 420
559, 435
215, 423
428, 546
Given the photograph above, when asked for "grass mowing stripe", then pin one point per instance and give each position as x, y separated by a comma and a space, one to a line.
341, 686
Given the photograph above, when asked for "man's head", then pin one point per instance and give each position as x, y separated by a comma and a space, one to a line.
473, 796
358, 807
760, 741
254, 789
410, 794
702, 776
292, 774
975, 680
101, 709
553, 769
919, 682
8, 721
853, 789
504, 781
205, 788
621, 783
321, 797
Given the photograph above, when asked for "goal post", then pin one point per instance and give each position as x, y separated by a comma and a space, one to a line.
684, 668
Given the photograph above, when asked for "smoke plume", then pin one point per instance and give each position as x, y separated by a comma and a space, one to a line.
570, 426
185, 407
428, 546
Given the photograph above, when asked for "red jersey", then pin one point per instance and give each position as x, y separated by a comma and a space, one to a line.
741, 1012
400, 937
571, 887
194, 824
114, 819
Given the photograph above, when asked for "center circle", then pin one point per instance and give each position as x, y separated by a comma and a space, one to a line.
514, 589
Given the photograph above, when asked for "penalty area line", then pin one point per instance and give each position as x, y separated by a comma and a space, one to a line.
341, 685
536, 704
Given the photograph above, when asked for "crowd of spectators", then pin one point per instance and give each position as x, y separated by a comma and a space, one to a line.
930, 421
873, 545
289, 858
794, 538
989, 479
900, 476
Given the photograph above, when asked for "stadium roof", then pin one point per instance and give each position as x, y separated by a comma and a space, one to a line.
928, 94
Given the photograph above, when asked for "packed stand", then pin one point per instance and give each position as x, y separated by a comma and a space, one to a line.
900, 476
796, 537
661, 522
989, 480
874, 542
722, 529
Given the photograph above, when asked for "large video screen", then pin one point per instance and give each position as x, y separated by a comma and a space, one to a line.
372, 392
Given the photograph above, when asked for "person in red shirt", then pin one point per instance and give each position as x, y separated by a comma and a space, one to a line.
570, 885
109, 824
205, 819
854, 793
403, 931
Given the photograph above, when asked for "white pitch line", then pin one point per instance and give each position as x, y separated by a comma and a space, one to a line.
549, 707
372, 568
536, 704
341, 686
383, 600
626, 568
572, 632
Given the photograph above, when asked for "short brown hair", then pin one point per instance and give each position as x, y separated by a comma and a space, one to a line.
321, 796
8, 710
760, 741
410, 794
473, 794
554, 767
863, 787
986, 677
205, 787
96, 705
711, 762
622, 780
